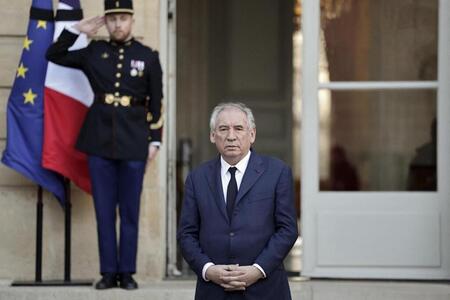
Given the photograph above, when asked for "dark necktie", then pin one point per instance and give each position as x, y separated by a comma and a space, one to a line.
231, 192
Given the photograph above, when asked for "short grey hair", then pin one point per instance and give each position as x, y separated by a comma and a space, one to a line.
225, 105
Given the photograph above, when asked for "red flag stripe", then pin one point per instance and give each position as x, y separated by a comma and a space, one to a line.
63, 118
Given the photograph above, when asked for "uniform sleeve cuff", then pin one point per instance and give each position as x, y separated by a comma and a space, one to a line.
260, 269
156, 144
205, 268
73, 30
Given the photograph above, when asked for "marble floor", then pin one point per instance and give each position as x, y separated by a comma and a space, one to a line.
369, 290
301, 289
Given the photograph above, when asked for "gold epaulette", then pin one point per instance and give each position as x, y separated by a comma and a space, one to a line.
157, 125
160, 123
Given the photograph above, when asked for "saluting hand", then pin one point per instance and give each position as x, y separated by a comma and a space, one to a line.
90, 26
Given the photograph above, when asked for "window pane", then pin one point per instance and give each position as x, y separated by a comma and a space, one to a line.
380, 40
377, 140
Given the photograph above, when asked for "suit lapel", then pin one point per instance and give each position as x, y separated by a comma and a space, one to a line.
215, 183
255, 169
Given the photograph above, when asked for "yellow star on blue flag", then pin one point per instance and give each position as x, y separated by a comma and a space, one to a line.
42, 24
21, 71
27, 43
25, 110
29, 97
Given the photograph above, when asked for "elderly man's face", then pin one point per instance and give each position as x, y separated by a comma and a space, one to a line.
232, 135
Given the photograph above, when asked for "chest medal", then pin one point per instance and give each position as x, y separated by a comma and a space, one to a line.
137, 68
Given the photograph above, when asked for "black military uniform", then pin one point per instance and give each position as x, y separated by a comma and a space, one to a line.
127, 78
125, 117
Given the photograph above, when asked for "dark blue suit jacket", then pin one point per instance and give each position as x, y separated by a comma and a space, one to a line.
263, 227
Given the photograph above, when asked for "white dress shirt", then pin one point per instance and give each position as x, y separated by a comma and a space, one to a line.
226, 176
241, 166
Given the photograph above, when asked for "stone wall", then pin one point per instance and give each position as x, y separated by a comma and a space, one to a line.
18, 195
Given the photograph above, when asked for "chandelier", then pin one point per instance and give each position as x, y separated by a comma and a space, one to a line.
330, 9
333, 9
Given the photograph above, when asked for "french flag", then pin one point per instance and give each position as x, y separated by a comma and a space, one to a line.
67, 97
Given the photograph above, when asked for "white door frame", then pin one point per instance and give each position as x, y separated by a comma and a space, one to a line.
168, 156
314, 201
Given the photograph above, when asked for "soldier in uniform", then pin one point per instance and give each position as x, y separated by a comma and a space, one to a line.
121, 131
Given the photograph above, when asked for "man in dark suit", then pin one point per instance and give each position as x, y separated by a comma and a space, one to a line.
121, 131
238, 219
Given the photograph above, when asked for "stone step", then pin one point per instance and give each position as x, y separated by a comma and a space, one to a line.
184, 290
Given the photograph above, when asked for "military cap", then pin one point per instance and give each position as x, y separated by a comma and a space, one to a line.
118, 6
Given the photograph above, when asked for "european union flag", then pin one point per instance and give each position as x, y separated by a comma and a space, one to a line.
25, 111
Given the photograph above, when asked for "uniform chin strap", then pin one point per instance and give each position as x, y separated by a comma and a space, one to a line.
119, 11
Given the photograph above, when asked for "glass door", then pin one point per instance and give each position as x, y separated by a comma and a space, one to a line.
375, 164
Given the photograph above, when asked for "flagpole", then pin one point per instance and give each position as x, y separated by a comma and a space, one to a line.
67, 245
39, 226
39, 230
68, 231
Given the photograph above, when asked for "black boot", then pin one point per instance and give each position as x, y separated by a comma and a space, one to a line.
127, 282
109, 280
